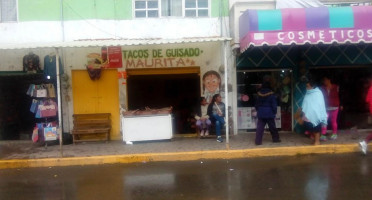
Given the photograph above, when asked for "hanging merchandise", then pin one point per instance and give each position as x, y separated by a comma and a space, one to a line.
41, 91
50, 133
31, 63
51, 90
94, 66
50, 71
45, 132
34, 105
45, 108
48, 108
35, 134
94, 74
30, 90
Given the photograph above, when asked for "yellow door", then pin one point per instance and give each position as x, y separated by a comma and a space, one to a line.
99, 96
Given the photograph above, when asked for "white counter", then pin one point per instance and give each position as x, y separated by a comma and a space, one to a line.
146, 127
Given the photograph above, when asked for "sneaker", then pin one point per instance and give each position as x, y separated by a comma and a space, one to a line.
333, 137
363, 147
201, 134
324, 138
219, 139
206, 133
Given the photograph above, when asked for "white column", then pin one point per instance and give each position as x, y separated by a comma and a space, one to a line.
59, 129
225, 45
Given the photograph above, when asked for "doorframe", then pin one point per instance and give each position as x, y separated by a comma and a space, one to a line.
292, 86
162, 71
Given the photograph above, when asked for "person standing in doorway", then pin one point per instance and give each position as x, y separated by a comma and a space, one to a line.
203, 123
364, 144
332, 101
313, 111
216, 111
266, 107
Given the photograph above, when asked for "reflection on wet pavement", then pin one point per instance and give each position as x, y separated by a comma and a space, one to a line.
313, 177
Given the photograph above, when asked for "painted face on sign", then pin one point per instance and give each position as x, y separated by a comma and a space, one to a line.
211, 82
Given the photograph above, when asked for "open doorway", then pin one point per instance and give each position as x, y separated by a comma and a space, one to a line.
181, 91
353, 82
16, 120
249, 82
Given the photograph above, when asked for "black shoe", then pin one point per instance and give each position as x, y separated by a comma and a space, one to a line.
258, 144
277, 141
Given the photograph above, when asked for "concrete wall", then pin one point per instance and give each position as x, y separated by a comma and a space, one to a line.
49, 21
238, 7
49, 31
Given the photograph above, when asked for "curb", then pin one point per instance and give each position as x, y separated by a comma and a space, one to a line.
180, 156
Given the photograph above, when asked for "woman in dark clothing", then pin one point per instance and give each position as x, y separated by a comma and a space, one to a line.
216, 112
266, 110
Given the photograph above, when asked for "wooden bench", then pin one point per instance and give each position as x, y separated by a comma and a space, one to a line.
96, 126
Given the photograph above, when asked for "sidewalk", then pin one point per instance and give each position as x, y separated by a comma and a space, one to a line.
17, 154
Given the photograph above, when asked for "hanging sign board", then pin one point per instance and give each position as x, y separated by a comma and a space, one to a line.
115, 57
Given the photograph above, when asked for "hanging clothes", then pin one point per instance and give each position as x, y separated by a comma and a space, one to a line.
50, 66
31, 63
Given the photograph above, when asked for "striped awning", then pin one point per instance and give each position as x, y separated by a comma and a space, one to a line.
111, 42
305, 25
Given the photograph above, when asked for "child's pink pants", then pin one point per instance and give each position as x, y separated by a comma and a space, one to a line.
332, 114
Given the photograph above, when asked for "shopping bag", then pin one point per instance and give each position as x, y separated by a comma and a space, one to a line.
34, 105
34, 91
42, 92
51, 90
50, 133
35, 135
30, 89
48, 109
38, 113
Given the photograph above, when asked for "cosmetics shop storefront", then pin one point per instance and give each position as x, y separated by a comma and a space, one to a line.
286, 44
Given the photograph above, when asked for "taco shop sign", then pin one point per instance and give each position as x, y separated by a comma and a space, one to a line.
161, 58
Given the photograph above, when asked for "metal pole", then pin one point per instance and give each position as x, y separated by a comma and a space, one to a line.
59, 129
62, 22
226, 94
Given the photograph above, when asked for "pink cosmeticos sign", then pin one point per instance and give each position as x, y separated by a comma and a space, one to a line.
307, 36
305, 25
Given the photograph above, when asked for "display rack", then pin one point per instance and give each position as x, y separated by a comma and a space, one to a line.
45, 108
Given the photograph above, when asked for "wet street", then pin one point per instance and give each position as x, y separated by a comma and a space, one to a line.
315, 177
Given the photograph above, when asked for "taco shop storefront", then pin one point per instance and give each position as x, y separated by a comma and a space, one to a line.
287, 43
155, 74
